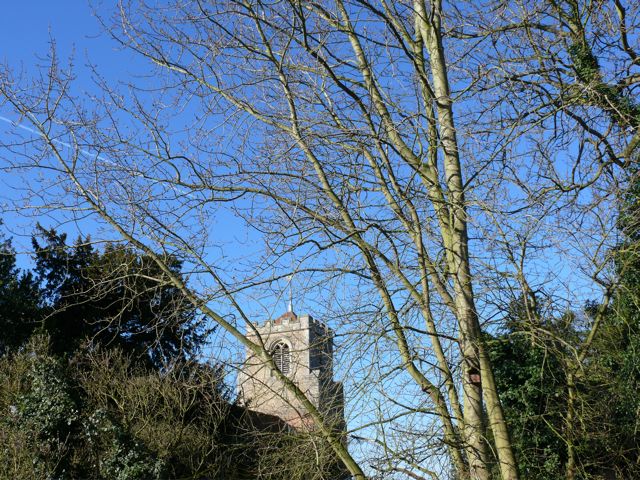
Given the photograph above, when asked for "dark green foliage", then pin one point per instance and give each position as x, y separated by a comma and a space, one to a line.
531, 383
620, 104
100, 415
535, 358
628, 256
98, 377
584, 62
614, 367
19, 296
36, 436
531, 368
112, 452
609, 402
172, 423
116, 298
61, 432
48, 407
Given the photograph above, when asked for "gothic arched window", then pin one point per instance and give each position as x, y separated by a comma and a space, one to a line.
282, 357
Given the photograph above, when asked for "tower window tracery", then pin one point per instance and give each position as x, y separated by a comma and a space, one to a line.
282, 357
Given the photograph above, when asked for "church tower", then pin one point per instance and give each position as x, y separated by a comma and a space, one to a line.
302, 348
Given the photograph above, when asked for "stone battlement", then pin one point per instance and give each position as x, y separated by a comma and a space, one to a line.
290, 321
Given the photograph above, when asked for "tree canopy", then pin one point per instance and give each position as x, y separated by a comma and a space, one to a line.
557, 408
114, 297
19, 301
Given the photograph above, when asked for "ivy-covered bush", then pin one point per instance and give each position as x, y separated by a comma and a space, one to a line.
42, 413
101, 415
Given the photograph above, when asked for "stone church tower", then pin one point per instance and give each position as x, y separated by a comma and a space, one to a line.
302, 348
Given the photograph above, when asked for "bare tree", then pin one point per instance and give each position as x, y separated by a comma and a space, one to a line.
358, 143
563, 79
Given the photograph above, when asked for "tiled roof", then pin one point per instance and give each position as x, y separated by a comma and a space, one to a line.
292, 317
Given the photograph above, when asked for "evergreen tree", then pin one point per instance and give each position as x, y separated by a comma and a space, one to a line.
614, 368
534, 355
531, 382
19, 299
115, 298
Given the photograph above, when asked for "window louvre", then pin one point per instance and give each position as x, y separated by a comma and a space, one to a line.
282, 357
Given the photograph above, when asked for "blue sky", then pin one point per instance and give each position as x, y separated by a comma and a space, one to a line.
26, 31
26, 28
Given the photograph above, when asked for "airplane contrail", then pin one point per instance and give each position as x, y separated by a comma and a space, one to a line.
54, 140
33, 131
